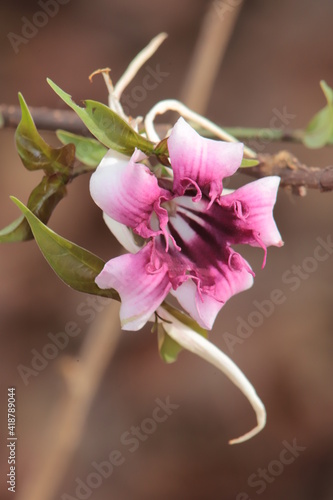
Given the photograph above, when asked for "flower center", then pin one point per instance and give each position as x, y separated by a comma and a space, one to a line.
171, 207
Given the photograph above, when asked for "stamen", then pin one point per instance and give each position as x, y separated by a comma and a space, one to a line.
257, 238
236, 263
241, 210
155, 265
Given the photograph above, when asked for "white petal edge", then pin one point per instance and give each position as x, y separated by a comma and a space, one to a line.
194, 342
122, 234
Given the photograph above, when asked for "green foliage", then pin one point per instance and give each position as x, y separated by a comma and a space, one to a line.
246, 162
36, 154
73, 264
319, 131
42, 201
168, 348
88, 151
106, 125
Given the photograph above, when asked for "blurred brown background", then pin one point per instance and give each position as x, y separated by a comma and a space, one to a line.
276, 56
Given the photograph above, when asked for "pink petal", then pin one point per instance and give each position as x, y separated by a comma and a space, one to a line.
123, 234
255, 209
230, 278
198, 162
129, 193
141, 282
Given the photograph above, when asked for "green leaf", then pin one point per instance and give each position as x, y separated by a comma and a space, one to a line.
76, 266
168, 347
248, 163
88, 151
106, 125
57, 164
42, 201
18, 230
35, 153
319, 131
162, 147
327, 91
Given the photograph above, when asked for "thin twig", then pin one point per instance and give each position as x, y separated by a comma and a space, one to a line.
292, 172
82, 379
53, 119
44, 118
266, 134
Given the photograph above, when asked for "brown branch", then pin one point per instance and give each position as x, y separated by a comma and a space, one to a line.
44, 118
293, 173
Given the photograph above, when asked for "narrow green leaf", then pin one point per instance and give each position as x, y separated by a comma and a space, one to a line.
319, 131
88, 151
106, 125
328, 91
16, 231
248, 163
73, 264
35, 153
168, 348
42, 201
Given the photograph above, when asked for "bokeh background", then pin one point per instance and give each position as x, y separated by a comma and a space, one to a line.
277, 54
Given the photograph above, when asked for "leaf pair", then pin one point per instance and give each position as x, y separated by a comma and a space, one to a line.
106, 125
57, 164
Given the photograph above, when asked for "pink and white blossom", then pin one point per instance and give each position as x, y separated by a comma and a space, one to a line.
189, 227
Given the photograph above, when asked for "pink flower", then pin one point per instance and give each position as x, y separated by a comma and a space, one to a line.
189, 227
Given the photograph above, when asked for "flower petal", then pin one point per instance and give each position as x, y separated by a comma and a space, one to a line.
122, 233
127, 192
199, 162
254, 203
197, 344
141, 284
229, 278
